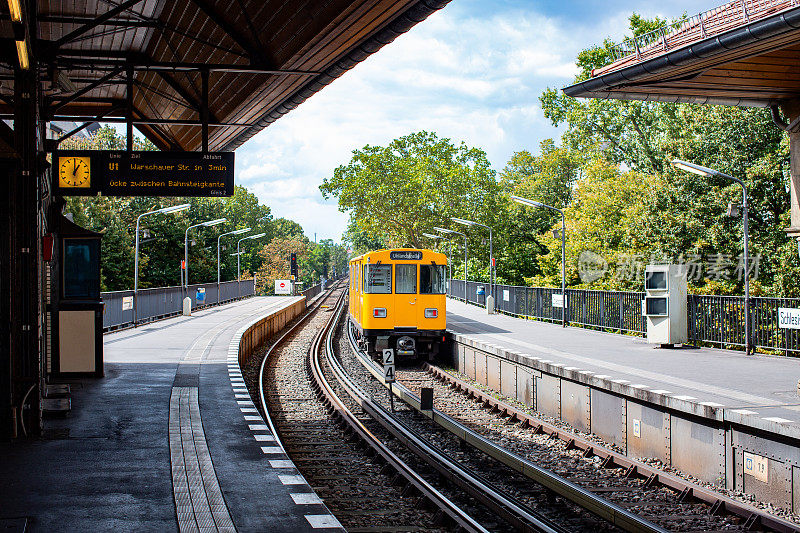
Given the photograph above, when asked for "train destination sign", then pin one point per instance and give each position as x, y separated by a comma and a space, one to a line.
114, 173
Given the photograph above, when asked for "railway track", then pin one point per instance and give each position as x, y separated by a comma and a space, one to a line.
365, 487
518, 439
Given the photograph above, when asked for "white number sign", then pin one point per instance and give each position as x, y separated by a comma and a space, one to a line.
127, 303
388, 365
756, 466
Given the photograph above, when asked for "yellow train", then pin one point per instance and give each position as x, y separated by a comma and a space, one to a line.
397, 300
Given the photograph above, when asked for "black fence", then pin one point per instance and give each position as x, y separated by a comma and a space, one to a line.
161, 302
714, 320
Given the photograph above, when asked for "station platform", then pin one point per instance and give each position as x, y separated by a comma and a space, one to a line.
168, 440
760, 391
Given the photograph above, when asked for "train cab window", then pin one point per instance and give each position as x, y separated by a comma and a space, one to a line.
378, 279
405, 279
432, 279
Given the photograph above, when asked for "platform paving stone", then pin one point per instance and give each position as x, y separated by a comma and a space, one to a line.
161, 443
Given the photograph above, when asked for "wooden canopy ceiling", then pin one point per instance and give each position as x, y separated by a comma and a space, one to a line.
753, 63
259, 59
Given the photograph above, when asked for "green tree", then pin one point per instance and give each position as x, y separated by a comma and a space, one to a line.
397, 192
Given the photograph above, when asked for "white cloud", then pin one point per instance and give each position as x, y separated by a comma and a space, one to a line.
466, 76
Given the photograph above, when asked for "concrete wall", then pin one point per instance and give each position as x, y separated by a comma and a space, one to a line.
252, 335
702, 440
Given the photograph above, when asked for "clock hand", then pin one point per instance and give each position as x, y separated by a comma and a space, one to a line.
74, 167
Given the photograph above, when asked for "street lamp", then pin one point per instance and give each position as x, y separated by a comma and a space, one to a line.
186, 246
449, 250
454, 232
234, 232
238, 254
533, 203
711, 173
164, 210
491, 253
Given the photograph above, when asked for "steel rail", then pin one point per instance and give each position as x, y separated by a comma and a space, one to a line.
584, 498
508, 507
340, 410
278, 342
686, 489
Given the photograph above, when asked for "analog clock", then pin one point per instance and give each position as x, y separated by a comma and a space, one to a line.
74, 172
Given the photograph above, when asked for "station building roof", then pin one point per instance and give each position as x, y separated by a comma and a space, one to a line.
743, 53
263, 58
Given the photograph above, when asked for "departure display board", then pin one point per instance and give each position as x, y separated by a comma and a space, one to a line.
112, 173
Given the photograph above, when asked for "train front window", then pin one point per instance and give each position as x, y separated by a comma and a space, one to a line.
432, 279
378, 279
405, 279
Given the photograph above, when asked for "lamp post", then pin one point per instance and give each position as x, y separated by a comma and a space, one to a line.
164, 210
449, 250
239, 261
491, 252
454, 232
533, 203
186, 246
234, 232
709, 173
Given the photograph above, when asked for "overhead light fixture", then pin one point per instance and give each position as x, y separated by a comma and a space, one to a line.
525, 201
15, 10
215, 222
431, 236
443, 230
695, 169
240, 231
175, 208
462, 221
22, 55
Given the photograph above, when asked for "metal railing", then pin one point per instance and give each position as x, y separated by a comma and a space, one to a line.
161, 302
713, 320
701, 26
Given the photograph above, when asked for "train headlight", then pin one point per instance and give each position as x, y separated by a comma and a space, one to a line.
379, 312
431, 313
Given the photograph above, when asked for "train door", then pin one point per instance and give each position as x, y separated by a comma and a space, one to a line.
432, 288
406, 305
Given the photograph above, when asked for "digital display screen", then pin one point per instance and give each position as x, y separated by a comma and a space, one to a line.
81, 269
656, 281
143, 173
656, 306
405, 256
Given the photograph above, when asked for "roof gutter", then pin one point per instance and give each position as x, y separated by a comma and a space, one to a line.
608, 85
401, 24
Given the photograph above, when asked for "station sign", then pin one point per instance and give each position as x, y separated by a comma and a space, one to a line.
788, 318
142, 173
283, 286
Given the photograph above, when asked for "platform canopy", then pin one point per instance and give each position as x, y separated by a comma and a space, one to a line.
260, 59
744, 53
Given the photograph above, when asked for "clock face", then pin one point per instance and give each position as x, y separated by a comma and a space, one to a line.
74, 172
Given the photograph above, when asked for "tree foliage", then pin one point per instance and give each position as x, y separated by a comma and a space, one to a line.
395, 193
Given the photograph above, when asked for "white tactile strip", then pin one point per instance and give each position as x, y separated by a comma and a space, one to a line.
276, 456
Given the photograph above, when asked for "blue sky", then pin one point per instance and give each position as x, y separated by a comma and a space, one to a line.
471, 72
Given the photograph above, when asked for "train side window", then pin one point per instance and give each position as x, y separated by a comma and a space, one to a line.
405, 279
378, 279
432, 279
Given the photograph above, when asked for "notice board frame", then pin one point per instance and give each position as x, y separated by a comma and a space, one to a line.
143, 173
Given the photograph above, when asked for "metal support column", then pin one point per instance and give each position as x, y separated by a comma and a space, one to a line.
23, 296
204, 115
129, 109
